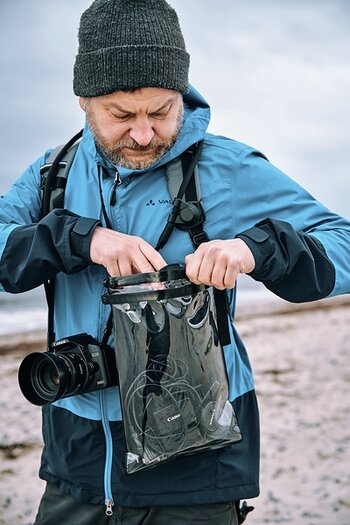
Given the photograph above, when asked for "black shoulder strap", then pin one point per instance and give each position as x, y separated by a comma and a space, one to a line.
53, 183
183, 184
54, 174
188, 214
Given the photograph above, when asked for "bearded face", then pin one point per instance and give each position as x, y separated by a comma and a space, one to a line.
135, 129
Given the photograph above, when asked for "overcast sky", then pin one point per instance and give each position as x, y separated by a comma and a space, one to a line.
275, 72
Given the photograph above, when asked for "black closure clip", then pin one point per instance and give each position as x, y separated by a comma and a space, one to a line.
243, 511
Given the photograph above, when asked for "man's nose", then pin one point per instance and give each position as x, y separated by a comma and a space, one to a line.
142, 132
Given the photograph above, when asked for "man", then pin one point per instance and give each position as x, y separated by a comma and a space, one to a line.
131, 74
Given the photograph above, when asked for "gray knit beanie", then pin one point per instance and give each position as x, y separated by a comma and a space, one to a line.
129, 44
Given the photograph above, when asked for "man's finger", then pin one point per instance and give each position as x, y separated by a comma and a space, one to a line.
230, 276
113, 269
153, 260
192, 262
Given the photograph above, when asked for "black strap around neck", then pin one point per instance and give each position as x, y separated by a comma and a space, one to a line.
103, 206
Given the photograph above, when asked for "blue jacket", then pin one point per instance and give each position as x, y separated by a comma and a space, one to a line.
301, 250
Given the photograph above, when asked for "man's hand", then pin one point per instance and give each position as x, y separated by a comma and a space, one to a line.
123, 254
218, 263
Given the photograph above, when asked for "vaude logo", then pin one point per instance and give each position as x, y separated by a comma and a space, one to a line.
159, 201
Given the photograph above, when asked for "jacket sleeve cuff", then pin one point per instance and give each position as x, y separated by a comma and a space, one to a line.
81, 237
292, 264
261, 246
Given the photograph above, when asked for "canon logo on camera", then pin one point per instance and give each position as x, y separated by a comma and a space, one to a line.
171, 418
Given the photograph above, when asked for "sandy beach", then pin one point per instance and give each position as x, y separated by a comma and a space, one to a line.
301, 356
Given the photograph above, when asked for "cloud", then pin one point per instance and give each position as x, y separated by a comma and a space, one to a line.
277, 75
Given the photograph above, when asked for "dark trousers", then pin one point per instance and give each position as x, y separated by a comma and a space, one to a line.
60, 509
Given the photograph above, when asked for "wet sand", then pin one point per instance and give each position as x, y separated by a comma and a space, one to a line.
301, 358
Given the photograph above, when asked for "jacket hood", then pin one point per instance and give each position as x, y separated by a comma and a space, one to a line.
193, 129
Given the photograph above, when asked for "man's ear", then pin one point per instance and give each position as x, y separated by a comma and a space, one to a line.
82, 103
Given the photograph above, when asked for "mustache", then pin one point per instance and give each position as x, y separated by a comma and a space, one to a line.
132, 144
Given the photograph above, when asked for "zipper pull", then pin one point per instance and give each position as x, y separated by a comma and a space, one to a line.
117, 182
109, 504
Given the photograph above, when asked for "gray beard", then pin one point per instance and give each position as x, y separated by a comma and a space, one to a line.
114, 155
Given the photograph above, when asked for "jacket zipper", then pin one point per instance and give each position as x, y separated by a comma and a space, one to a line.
117, 182
105, 423
109, 453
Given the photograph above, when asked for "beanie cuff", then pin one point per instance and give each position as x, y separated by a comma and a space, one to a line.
131, 67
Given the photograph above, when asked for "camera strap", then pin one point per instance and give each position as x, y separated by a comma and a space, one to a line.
54, 174
49, 287
109, 325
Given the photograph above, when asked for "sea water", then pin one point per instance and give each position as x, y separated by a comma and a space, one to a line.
23, 312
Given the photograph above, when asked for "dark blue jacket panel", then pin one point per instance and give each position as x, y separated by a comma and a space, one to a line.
291, 264
224, 474
37, 252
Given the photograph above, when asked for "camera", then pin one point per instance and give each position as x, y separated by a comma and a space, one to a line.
74, 365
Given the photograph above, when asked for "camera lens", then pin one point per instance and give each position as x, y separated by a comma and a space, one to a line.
45, 377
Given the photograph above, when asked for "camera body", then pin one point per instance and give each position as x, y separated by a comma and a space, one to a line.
73, 365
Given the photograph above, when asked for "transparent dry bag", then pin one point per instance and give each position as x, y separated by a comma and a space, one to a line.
172, 376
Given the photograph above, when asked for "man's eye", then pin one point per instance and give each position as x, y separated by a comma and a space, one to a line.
160, 114
120, 117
